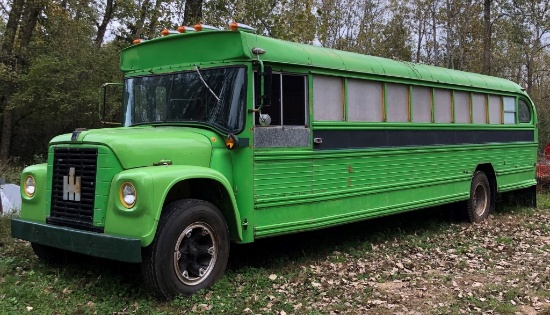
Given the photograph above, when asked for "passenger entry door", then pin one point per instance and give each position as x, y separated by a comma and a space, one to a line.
282, 148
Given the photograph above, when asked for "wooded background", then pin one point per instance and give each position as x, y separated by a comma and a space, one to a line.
55, 54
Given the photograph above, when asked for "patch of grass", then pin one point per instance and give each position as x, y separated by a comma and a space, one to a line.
504, 308
504, 240
543, 200
313, 272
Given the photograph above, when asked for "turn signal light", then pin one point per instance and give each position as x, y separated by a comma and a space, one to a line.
231, 142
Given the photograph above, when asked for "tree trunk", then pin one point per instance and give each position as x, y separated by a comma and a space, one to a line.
31, 17
7, 58
529, 66
141, 21
5, 145
434, 34
154, 18
102, 28
11, 30
487, 37
193, 12
421, 29
16, 63
450, 36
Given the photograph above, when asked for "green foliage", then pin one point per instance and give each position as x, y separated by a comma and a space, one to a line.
10, 170
55, 86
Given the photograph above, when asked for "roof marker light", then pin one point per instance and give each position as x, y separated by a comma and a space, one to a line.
136, 41
165, 32
205, 27
182, 29
234, 26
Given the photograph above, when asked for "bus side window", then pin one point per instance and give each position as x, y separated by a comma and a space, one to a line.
524, 113
509, 110
328, 98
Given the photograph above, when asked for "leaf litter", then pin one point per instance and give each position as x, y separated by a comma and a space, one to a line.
499, 266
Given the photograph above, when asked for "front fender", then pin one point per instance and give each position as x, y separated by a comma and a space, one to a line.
34, 208
152, 186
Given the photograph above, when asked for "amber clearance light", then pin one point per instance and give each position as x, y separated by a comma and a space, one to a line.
231, 142
234, 26
198, 27
181, 29
165, 32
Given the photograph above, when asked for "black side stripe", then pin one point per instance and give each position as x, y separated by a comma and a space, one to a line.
349, 139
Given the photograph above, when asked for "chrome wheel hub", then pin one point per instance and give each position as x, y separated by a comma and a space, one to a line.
195, 253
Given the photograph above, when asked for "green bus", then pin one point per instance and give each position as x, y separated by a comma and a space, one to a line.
228, 136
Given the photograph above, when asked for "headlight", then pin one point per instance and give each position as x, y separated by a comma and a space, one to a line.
127, 195
29, 185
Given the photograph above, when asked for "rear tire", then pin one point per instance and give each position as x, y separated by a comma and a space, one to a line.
479, 204
190, 249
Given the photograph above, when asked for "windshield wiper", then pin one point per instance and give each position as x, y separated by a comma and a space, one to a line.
206, 84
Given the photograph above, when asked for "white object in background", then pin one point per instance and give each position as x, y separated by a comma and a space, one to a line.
11, 198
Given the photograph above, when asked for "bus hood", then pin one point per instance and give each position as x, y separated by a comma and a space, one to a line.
147, 146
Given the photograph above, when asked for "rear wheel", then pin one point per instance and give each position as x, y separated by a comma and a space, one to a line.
190, 250
479, 204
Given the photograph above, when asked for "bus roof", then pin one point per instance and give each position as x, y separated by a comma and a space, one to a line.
175, 51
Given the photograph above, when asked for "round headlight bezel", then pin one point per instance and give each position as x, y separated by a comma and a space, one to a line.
127, 190
29, 186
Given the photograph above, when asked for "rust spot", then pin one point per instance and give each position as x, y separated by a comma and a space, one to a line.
350, 169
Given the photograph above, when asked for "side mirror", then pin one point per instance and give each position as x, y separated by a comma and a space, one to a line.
110, 100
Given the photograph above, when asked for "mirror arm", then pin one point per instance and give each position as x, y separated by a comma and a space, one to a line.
102, 96
262, 79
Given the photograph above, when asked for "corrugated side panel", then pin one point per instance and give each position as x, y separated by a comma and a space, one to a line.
310, 190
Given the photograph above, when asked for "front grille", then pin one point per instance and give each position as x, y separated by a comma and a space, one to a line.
67, 207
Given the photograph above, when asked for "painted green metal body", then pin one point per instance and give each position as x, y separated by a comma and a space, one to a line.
269, 191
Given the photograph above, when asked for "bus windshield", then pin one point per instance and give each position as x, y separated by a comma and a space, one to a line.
215, 97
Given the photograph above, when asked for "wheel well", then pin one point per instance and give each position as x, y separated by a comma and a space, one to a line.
491, 176
207, 190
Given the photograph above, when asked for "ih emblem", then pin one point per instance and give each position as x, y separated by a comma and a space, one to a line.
71, 186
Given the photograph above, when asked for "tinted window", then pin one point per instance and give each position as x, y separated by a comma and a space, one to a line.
524, 113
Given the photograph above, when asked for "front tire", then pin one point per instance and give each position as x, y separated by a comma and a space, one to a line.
479, 204
190, 250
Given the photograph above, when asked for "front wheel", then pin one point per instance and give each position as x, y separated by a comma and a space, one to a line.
479, 204
190, 250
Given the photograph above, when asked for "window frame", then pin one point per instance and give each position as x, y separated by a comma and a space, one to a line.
519, 121
281, 106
